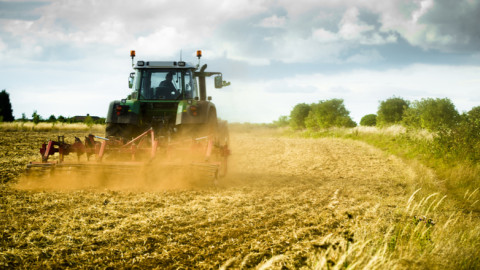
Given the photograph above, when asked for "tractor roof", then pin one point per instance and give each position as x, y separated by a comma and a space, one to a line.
164, 64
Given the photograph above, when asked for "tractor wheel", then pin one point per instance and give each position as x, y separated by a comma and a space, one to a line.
223, 137
124, 131
223, 141
211, 126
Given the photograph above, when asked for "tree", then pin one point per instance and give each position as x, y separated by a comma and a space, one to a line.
89, 121
391, 111
282, 121
432, 114
474, 114
52, 119
369, 120
24, 118
6, 112
328, 113
298, 115
100, 121
36, 118
61, 119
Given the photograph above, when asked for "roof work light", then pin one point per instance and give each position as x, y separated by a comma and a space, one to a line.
132, 55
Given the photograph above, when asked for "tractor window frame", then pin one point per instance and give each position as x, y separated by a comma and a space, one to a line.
148, 86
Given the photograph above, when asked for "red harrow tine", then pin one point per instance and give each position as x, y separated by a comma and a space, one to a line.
48, 149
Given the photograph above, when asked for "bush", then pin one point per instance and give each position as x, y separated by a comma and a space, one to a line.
462, 142
369, 120
328, 113
298, 115
391, 111
431, 114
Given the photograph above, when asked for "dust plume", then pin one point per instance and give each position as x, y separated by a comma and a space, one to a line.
155, 175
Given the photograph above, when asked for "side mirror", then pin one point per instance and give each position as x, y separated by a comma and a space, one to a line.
218, 81
130, 80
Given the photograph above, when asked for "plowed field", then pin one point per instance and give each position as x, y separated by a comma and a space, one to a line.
285, 203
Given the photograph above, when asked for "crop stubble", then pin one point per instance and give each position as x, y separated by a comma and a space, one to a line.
284, 200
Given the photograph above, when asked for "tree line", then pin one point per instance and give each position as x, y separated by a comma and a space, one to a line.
6, 115
455, 134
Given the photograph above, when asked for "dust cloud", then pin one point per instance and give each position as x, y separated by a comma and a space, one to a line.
117, 176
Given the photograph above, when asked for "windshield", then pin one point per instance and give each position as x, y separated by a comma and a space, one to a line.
166, 84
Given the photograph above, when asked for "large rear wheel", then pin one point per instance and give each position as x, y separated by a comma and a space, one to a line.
124, 131
222, 141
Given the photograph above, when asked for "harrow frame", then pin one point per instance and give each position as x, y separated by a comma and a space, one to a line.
138, 152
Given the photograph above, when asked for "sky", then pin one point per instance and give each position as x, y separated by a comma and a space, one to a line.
72, 57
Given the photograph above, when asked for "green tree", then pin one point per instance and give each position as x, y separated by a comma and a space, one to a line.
36, 118
328, 113
89, 121
61, 119
474, 114
52, 119
369, 120
24, 118
282, 121
431, 114
100, 121
6, 112
391, 111
298, 115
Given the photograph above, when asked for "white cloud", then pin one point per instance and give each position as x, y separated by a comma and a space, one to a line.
324, 36
273, 22
425, 5
350, 27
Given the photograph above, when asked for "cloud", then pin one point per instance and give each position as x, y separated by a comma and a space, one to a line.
273, 22
440, 25
364, 57
20, 10
258, 32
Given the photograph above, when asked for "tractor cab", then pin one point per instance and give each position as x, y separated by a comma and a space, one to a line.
163, 81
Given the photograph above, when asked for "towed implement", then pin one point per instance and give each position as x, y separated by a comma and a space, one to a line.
166, 126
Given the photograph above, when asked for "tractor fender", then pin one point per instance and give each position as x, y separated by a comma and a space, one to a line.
125, 116
203, 109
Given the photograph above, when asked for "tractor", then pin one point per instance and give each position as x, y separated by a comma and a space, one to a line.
167, 120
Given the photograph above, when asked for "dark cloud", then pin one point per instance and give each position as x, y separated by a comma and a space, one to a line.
21, 10
456, 23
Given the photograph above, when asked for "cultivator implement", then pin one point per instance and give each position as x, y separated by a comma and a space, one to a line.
144, 156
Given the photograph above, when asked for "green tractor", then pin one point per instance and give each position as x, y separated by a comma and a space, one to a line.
170, 98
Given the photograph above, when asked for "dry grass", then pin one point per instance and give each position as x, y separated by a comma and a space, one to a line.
287, 203
57, 126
